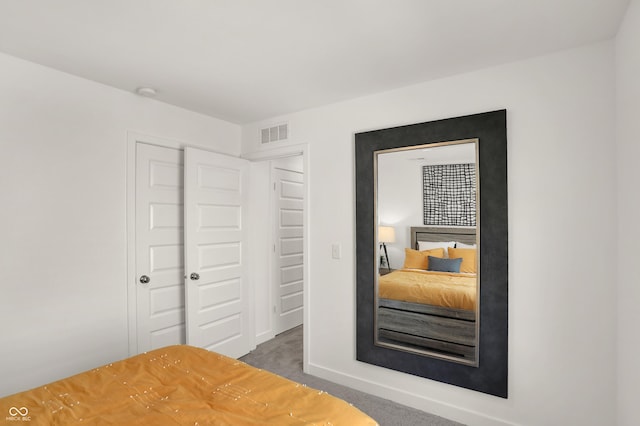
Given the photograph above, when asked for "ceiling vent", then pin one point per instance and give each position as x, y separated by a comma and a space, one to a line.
275, 133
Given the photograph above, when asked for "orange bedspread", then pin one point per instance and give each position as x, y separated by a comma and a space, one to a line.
178, 385
446, 289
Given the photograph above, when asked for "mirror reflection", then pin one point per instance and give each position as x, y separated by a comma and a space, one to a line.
427, 216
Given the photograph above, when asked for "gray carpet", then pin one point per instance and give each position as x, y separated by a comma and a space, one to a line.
283, 356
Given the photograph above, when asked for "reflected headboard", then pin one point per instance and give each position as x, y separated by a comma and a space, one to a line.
435, 234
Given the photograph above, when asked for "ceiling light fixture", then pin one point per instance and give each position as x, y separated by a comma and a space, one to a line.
147, 92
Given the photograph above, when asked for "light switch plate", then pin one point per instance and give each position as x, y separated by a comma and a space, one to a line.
336, 251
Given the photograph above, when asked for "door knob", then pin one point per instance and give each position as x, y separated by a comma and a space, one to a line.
195, 276
145, 279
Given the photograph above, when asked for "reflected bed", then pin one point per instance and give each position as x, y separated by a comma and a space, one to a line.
180, 385
433, 311
446, 289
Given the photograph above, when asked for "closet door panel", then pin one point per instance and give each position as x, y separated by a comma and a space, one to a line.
159, 247
218, 317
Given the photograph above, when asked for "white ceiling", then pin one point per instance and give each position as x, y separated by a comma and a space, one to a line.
247, 60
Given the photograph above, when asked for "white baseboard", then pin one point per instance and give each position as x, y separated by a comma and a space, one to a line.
419, 402
264, 337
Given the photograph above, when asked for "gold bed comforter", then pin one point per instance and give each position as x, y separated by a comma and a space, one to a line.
446, 289
178, 385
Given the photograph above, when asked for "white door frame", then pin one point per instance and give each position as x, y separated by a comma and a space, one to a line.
304, 151
132, 280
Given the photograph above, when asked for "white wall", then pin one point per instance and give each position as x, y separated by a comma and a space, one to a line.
399, 202
63, 306
628, 115
400, 191
562, 195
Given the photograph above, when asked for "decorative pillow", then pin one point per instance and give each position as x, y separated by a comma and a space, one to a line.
414, 259
468, 256
444, 265
463, 245
430, 245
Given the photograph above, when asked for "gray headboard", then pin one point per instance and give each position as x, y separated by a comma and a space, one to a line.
431, 233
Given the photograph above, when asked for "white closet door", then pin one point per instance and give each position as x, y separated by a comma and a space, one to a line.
218, 314
288, 181
159, 247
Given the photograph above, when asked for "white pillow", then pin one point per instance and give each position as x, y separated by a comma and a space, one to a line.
463, 245
430, 245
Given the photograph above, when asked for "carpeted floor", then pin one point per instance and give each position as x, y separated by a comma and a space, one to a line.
283, 356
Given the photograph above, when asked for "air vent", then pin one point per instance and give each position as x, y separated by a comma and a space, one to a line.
275, 133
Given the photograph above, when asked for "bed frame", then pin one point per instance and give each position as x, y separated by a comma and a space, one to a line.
417, 327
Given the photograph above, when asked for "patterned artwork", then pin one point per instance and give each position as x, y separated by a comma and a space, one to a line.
449, 194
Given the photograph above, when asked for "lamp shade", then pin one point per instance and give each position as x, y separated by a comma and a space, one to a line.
386, 234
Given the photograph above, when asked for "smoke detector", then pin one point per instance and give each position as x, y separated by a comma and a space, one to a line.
147, 92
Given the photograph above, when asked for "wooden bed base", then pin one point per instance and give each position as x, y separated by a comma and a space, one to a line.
419, 327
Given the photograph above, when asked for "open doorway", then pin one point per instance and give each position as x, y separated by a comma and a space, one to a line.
279, 217
287, 276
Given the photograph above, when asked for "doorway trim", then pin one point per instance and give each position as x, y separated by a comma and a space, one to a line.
302, 149
266, 155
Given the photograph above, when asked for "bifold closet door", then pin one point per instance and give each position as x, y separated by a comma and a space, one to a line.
218, 314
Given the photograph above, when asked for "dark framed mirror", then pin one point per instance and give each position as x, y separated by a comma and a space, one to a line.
463, 343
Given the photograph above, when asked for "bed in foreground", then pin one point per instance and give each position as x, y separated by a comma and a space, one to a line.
178, 385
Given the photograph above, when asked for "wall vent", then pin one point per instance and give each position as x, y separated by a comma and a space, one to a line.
274, 133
